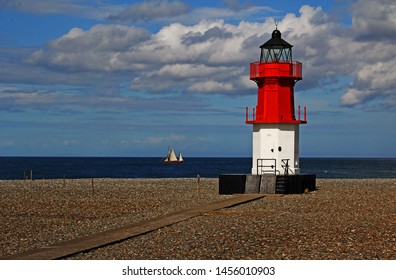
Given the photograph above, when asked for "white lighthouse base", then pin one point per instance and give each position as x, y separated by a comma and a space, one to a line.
275, 149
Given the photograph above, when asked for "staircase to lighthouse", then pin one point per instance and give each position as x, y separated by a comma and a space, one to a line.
276, 129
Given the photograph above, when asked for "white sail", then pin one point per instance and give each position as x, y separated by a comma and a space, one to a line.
172, 156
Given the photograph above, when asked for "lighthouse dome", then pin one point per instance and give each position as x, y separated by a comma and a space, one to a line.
276, 49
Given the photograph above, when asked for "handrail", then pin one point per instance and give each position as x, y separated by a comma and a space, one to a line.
261, 165
285, 165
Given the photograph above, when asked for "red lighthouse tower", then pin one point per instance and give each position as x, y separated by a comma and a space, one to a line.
275, 166
275, 126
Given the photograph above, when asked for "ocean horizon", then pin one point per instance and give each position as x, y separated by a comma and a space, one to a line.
19, 167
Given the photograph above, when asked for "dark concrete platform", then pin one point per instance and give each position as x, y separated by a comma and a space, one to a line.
266, 183
97, 240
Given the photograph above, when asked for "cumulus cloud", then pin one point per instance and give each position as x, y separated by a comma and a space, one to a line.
175, 57
210, 86
374, 81
101, 38
102, 48
372, 54
213, 56
374, 20
364, 52
150, 10
214, 33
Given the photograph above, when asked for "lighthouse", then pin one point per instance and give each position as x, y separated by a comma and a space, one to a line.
275, 126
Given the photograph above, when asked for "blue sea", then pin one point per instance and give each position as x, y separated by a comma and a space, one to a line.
133, 167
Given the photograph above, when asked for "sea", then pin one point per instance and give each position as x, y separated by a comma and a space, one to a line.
14, 168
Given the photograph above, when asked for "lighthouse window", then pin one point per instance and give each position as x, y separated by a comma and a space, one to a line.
276, 55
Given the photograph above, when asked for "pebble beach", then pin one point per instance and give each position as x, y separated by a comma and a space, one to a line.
344, 219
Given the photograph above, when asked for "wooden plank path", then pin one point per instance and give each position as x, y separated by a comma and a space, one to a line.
97, 240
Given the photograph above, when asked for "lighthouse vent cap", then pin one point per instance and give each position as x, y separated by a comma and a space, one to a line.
276, 34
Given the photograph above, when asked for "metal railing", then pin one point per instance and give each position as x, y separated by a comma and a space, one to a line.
262, 165
285, 166
254, 114
268, 165
279, 69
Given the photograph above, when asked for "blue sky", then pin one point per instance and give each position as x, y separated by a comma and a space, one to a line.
130, 78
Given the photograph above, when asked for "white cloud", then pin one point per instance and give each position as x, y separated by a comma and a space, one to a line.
150, 10
186, 70
213, 56
176, 56
165, 139
375, 81
13, 97
210, 86
101, 48
374, 19
371, 54
353, 97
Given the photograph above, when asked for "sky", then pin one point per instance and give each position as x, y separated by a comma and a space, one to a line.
131, 78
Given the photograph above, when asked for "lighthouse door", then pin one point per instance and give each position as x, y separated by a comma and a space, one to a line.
268, 151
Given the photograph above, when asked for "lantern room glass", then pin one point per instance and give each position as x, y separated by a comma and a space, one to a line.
276, 54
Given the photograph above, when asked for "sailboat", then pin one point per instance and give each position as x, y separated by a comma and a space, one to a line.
172, 159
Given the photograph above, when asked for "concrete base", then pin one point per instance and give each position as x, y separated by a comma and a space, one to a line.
247, 183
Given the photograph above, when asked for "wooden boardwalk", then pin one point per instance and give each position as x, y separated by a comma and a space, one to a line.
97, 240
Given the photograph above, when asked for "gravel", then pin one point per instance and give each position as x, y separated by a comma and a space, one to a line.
344, 219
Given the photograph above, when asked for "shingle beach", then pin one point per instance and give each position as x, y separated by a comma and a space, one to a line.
343, 219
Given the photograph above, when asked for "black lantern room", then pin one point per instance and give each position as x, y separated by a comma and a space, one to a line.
276, 49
